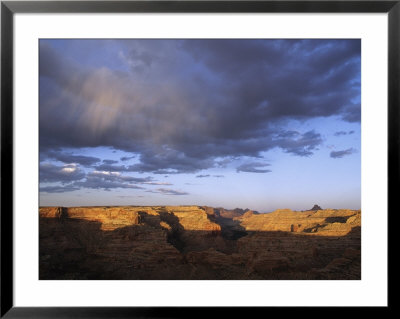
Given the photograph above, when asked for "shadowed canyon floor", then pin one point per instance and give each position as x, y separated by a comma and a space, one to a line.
195, 242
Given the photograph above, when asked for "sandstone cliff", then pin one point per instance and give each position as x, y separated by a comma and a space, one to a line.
192, 242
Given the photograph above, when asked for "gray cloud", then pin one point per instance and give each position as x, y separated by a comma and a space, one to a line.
54, 173
157, 183
224, 162
117, 177
208, 175
111, 168
108, 180
126, 158
69, 158
340, 133
109, 162
96, 179
184, 106
299, 144
340, 154
58, 189
168, 161
253, 168
166, 191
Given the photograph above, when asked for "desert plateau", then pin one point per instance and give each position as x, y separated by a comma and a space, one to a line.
198, 243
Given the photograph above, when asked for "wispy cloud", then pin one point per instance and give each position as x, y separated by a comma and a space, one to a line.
253, 168
117, 176
166, 191
297, 143
208, 175
58, 189
340, 133
108, 161
97, 182
126, 158
157, 183
340, 154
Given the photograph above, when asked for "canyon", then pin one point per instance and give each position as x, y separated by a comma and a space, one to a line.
198, 243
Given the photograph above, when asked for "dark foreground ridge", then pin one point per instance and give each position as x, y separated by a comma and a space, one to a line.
197, 242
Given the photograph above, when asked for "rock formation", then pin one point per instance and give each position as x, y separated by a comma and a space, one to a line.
193, 242
316, 207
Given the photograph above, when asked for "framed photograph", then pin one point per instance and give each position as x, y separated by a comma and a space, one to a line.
163, 155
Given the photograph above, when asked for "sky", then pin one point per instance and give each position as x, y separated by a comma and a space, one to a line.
250, 123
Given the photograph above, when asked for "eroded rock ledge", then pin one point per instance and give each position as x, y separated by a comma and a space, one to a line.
197, 242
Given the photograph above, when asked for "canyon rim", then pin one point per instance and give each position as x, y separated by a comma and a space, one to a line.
193, 242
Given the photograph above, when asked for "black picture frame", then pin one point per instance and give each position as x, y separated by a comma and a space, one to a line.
9, 8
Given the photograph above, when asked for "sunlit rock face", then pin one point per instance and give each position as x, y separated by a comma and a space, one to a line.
198, 242
319, 222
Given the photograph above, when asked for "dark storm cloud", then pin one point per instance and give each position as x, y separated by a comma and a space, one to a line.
253, 168
352, 113
58, 189
68, 158
54, 173
183, 106
303, 78
202, 176
340, 154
